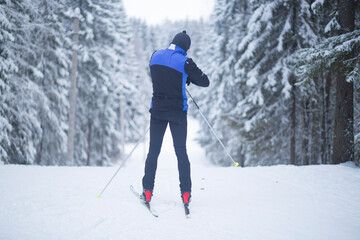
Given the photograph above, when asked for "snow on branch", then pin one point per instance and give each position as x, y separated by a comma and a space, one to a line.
328, 54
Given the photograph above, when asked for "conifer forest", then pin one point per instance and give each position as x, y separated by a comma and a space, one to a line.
284, 80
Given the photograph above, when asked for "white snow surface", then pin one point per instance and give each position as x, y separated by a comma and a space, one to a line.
279, 202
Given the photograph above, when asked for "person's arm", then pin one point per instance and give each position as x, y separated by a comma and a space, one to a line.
195, 75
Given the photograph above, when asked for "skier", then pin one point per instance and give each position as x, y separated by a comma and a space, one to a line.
170, 71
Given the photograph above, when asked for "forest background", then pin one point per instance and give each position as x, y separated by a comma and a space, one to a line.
285, 83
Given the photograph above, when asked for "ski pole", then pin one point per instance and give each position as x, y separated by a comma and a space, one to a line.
123, 163
236, 164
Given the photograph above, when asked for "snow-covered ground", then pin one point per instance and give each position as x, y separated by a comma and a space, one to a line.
280, 202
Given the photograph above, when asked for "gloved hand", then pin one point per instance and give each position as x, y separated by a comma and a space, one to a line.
188, 81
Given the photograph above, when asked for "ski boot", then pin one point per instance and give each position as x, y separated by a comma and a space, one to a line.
146, 197
186, 198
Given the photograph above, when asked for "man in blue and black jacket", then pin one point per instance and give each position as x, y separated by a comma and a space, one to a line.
170, 71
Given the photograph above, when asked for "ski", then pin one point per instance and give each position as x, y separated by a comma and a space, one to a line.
145, 204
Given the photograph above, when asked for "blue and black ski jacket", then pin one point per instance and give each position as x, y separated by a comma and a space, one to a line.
170, 71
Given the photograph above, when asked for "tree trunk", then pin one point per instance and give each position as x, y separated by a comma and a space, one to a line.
70, 152
101, 162
241, 157
103, 133
293, 122
346, 10
343, 139
40, 150
122, 126
292, 80
357, 125
306, 134
89, 144
325, 153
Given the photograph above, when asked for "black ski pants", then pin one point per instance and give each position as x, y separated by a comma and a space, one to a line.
178, 128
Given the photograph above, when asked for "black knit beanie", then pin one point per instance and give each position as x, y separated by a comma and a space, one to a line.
182, 40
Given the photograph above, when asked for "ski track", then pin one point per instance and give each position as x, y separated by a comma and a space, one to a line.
279, 202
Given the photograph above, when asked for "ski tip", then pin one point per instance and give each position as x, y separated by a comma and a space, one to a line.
236, 164
98, 196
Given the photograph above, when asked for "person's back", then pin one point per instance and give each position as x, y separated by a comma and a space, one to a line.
170, 71
169, 79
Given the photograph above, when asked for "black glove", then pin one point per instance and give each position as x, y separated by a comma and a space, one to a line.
188, 81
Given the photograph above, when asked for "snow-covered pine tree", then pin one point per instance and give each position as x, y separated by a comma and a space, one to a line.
143, 50
318, 91
53, 58
257, 113
129, 80
21, 132
343, 139
219, 53
357, 120
337, 53
34, 99
357, 99
7, 68
106, 71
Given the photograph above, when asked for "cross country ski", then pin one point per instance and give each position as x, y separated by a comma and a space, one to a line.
144, 203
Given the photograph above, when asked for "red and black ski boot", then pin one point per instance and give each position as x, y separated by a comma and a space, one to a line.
186, 200
146, 196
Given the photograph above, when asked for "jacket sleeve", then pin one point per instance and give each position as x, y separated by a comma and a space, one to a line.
195, 75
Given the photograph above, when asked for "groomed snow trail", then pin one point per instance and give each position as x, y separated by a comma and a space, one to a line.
280, 202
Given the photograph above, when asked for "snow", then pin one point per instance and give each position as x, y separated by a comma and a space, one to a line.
279, 202
317, 4
252, 78
333, 24
257, 98
267, 15
247, 125
285, 81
